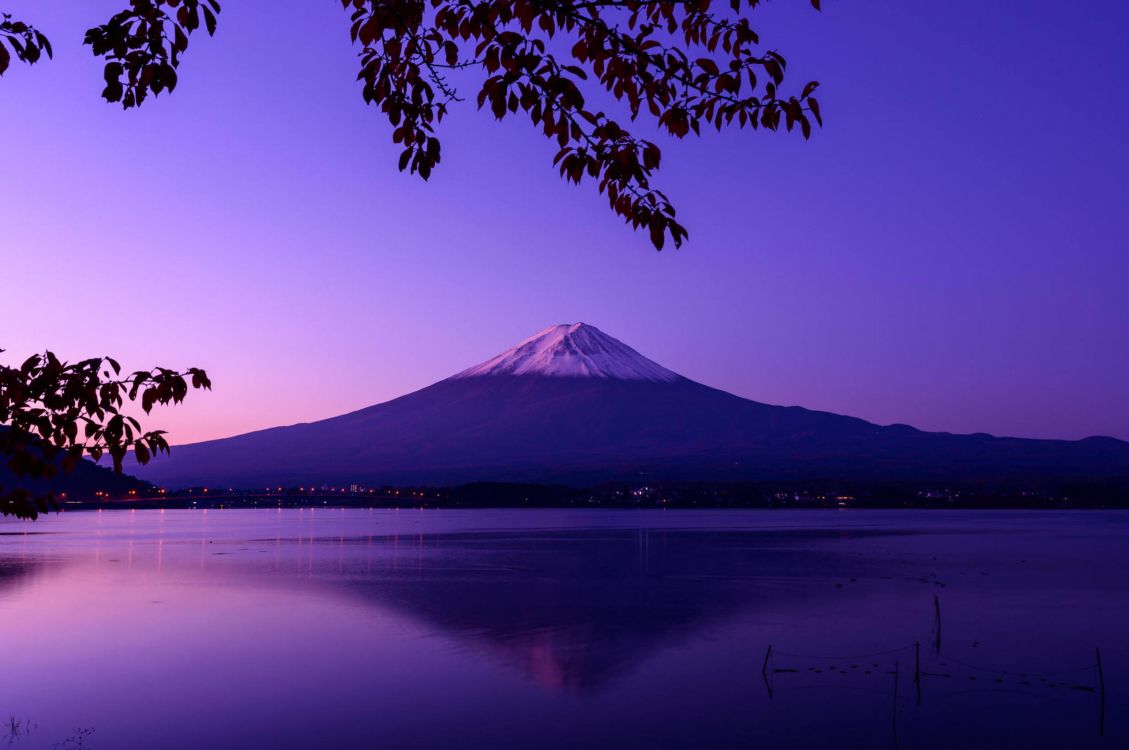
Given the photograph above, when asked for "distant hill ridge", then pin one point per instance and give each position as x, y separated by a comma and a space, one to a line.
572, 404
80, 484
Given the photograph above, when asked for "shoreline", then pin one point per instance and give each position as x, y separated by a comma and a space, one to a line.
236, 502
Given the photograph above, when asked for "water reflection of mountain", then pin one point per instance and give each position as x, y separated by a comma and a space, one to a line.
15, 573
574, 609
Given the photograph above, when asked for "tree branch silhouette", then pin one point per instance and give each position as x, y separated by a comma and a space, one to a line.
681, 63
54, 413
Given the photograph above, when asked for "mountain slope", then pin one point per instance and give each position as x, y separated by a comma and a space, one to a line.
572, 404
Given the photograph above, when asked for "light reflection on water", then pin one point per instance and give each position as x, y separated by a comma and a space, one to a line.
563, 629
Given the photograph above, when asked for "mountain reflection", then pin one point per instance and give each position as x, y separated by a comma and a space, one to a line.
15, 573
575, 609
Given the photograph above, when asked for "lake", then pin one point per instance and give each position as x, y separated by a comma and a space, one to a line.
358, 628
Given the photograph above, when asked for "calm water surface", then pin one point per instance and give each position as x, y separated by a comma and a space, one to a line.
500, 629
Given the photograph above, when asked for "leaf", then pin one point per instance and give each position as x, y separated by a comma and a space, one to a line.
708, 65
209, 20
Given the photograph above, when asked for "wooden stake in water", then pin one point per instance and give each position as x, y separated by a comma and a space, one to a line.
764, 671
937, 619
917, 669
895, 714
1101, 691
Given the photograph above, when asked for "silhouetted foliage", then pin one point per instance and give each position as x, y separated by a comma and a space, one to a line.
54, 413
684, 63
26, 43
142, 46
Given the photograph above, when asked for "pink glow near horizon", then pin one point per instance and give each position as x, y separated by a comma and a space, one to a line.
947, 252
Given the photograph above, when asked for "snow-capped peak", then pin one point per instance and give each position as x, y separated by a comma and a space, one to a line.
575, 350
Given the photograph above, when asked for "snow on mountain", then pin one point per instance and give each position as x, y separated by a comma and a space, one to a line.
576, 350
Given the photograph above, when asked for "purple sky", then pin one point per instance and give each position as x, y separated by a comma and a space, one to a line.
949, 251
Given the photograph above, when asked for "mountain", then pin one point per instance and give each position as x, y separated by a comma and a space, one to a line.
572, 404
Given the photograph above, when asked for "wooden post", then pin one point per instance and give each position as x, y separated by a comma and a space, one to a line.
1101, 675
917, 669
894, 719
937, 622
764, 671
1101, 691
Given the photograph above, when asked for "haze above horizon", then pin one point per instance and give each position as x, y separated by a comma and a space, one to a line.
947, 252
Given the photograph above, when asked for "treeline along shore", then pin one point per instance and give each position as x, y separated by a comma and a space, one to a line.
630, 495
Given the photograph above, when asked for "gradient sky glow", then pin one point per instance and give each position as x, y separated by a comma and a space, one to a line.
949, 251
